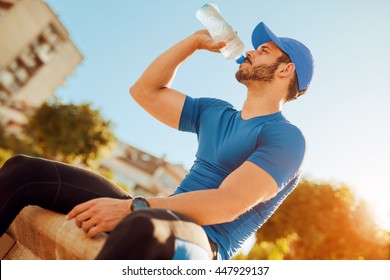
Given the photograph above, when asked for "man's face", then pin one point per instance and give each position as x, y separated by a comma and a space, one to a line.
260, 65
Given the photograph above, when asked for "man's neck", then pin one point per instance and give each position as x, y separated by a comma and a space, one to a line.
261, 102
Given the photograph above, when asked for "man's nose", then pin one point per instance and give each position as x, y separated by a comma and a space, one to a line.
250, 54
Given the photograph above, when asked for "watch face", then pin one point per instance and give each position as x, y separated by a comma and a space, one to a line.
139, 203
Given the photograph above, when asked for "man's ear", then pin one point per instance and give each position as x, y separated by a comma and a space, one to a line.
287, 70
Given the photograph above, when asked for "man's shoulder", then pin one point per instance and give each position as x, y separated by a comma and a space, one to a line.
282, 127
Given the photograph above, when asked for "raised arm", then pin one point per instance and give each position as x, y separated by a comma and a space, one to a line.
152, 90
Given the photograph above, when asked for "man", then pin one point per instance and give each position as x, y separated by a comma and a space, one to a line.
247, 162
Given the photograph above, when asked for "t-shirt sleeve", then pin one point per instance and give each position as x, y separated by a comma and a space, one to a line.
280, 152
189, 117
193, 109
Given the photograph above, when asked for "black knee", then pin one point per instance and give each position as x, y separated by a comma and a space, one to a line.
22, 170
17, 162
14, 168
139, 237
15, 159
139, 225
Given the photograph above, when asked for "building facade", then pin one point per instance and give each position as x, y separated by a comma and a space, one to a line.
36, 56
142, 173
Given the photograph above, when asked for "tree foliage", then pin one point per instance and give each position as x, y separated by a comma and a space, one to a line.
69, 132
21, 144
320, 221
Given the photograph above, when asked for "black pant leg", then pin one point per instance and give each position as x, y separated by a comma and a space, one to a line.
52, 185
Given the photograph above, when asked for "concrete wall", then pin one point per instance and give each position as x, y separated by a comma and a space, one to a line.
46, 235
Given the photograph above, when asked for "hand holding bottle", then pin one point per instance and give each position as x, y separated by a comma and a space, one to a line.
206, 42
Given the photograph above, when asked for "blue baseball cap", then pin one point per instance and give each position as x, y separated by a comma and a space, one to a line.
299, 54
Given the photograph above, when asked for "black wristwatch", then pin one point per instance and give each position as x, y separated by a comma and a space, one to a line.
139, 203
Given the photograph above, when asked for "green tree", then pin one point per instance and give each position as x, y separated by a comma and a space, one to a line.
69, 132
320, 221
16, 144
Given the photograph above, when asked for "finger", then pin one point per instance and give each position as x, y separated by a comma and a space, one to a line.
77, 210
94, 231
82, 217
86, 226
220, 45
203, 31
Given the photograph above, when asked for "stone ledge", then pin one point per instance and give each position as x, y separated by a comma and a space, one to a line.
46, 235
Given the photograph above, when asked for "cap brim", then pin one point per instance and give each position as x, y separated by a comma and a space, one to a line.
262, 34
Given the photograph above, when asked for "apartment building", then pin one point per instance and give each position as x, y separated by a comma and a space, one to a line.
143, 173
36, 56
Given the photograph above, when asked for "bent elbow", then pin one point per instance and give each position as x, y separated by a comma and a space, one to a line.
138, 93
134, 91
232, 215
228, 215
235, 210
141, 93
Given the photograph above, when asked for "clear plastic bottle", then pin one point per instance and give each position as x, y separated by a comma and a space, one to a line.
210, 16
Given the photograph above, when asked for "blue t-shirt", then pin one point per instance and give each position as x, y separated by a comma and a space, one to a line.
225, 142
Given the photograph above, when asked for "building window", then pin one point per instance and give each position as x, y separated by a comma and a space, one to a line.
42, 49
5, 5
21, 69
51, 36
8, 81
145, 157
30, 59
3, 95
46, 44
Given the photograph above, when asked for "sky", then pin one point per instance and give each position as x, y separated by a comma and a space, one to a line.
344, 115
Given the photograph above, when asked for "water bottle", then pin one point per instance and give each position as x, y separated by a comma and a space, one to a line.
210, 16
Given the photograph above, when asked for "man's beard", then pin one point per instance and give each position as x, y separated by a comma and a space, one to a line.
262, 73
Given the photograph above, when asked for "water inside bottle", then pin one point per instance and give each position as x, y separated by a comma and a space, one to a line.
234, 47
